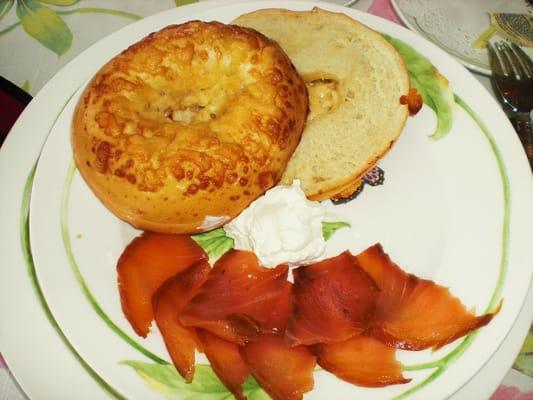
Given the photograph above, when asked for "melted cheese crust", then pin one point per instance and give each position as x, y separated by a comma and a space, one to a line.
197, 119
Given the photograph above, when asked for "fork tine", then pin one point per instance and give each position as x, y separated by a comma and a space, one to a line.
508, 56
495, 62
504, 66
525, 62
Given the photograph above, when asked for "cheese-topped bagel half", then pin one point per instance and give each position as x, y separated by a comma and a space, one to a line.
182, 130
355, 79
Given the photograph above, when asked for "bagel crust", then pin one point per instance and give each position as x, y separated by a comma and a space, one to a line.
184, 129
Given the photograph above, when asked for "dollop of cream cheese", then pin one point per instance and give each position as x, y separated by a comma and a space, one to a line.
282, 226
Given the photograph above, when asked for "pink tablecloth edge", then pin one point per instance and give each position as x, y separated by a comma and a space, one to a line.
384, 9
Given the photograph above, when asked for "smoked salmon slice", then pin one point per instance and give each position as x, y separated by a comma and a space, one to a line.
413, 313
226, 361
333, 300
285, 373
276, 322
147, 262
238, 299
167, 302
361, 360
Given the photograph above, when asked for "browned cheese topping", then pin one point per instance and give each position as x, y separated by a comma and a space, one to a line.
178, 105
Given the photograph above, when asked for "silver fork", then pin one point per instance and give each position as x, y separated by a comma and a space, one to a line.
512, 72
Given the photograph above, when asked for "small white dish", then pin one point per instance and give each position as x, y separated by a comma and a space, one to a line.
454, 25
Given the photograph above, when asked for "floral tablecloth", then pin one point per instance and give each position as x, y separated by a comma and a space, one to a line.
38, 37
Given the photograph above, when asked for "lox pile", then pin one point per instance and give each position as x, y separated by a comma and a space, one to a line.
347, 314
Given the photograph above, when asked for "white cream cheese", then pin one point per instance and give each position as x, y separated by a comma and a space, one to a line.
281, 227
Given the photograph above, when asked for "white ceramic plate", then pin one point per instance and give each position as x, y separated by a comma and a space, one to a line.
454, 25
456, 210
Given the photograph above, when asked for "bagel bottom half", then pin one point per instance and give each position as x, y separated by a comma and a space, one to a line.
355, 79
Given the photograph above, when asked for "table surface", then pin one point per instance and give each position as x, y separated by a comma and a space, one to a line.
34, 58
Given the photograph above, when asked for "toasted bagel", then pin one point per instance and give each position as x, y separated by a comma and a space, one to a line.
182, 130
355, 79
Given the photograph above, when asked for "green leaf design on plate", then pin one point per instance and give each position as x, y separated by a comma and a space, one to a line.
215, 242
5, 6
100, 10
433, 86
45, 25
60, 3
206, 386
329, 228
524, 361
183, 2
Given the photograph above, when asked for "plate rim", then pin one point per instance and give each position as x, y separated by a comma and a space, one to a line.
41, 96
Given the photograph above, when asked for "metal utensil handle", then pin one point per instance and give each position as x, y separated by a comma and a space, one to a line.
524, 127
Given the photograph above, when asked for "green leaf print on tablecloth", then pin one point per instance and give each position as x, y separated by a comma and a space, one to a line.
206, 386
61, 3
524, 361
5, 6
45, 25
